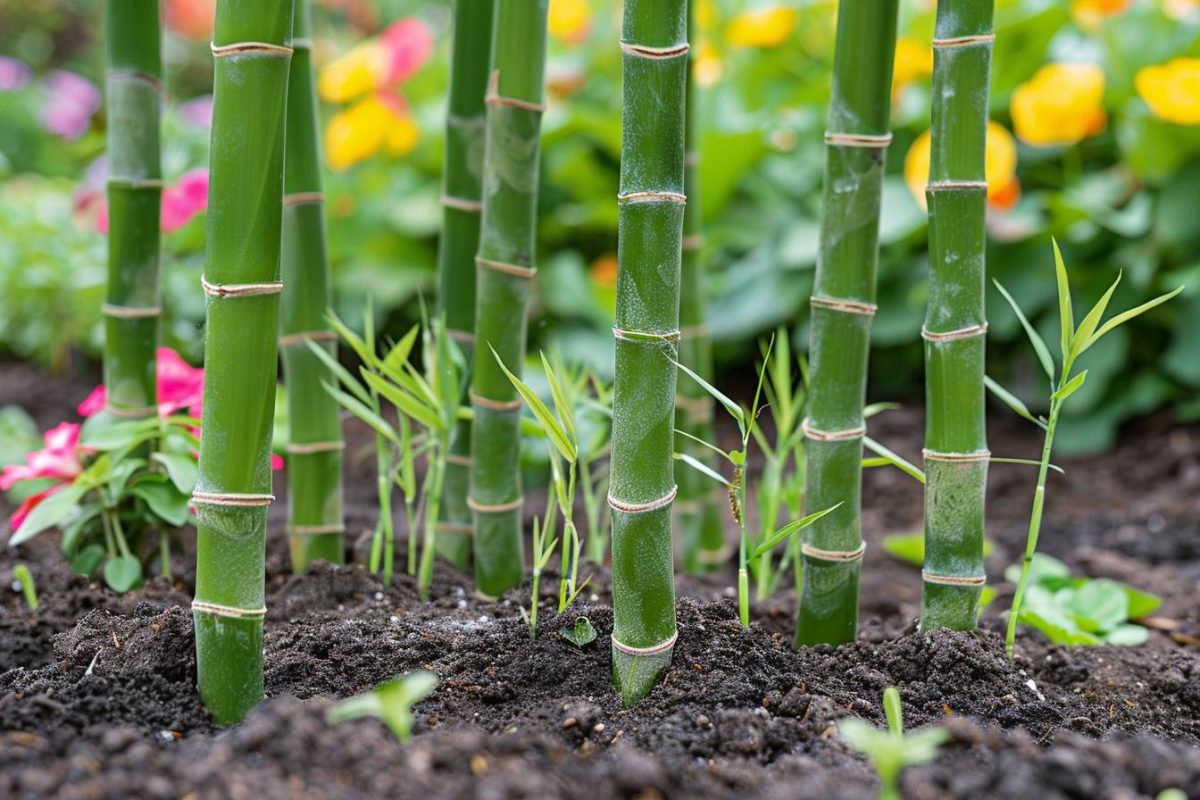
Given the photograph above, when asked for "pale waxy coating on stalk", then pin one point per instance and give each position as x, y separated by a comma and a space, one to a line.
131, 306
314, 463
241, 280
654, 45
505, 271
956, 452
462, 203
843, 305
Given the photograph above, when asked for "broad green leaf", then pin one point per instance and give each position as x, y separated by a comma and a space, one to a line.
579, 634
118, 435
341, 373
1012, 401
1071, 387
363, 412
789, 530
182, 470
86, 560
1039, 346
558, 437
566, 414
52, 511
1141, 604
1127, 635
733, 408
1099, 605
1125, 316
894, 459
73, 530
166, 501
1043, 569
910, 547
1083, 338
1066, 315
406, 403
123, 573
702, 468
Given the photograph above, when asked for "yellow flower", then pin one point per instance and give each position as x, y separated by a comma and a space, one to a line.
914, 60
706, 15
708, 65
357, 72
767, 27
570, 20
380, 121
1172, 90
1060, 105
1000, 167
1090, 13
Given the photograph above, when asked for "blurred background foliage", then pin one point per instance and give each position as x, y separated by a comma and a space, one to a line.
1095, 141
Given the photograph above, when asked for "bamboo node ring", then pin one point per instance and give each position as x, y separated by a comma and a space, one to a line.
233, 612
951, 186
836, 556
953, 580
135, 183
232, 499
494, 98
841, 304
969, 332
131, 413
303, 198
307, 448
249, 48
462, 337
461, 203
693, 331
302, 44
653, 197
866, 140
129, 312
240, 289
458, 460
664, 646
964, 41
646, 337
642, 51
643, 508
315, 530
133, 75
516, 270
494, 508
454, 527
495, 405
957, 458
818, 435
307, 336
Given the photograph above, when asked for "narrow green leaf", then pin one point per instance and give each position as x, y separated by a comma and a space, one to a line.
788, 531
1125, 316
341, 373
558, 437
1039, 346
1071, 387
397, 355
351, 338
1029, 462
404, 402
702, 468
1066, 316
363, 412
874, 409
1012, 401
894, 459
733, 408
566, 414
1083, 338
703, 443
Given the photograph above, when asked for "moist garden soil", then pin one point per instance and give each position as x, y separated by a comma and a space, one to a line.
97, 695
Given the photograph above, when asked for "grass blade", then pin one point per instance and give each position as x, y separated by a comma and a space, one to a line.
1039, 346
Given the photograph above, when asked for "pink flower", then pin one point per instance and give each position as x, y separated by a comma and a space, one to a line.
58, 459
180, 387
184, 200
409, 44
14, 74
71, 102
197, 111
29, 504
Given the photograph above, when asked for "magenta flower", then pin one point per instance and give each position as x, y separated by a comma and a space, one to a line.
71, 102
180, 388
197, 111
58, 460
184, 200
14, 74
409, 44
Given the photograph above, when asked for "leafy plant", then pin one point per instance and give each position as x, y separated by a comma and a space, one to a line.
24, 579
390, 701
891, 750
582, 632
1085, 611
1074, 341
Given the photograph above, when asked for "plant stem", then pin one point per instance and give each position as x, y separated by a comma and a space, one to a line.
507, 247
437, 466
242, 275
843, 304
651, 210
739, 487
131, 302
462, 201
314, 463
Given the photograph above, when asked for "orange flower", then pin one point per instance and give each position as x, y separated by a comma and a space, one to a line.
603, 270
914, 60
1060, 105
1181, 9
192, 19
1090, 13
378, 122
1172, 90
766, 27
570, 21
1000, 167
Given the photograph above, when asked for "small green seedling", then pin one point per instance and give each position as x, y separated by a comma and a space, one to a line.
390, 701
543, 550
1085, 611
1074, 341
892, 750
579, 634
24, 579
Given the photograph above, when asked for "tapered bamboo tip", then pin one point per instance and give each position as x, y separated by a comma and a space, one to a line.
636, 676
229, 662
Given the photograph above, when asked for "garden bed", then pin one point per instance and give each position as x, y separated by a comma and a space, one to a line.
97, 693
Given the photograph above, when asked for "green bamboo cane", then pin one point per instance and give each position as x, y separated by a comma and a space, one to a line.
956, 453
651, 203
462, 193
131, 304
314, 466
242, 283
700, 499
505, 268
843, 304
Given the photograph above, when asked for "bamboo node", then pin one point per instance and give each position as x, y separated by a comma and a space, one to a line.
305, 336
642, 51
866, 140
694, 331
653, 197
232, 499
495, 405
969, 332
462, 337
240, 289
963, 41
131, 75
308, 448
249, 48
316, 530
303, 198
836, 556
135, 183
131, 413
953, 580
454, 527
693, 243
516, 270
646, 337
233, 612
957, 458
461, 203
841, 304
665, 646
953, 186
458, 460
718, 556
818, 435
302, 44
494, 98
643, 508
494, 508
129, 312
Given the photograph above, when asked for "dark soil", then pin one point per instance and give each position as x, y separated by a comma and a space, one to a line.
97, 697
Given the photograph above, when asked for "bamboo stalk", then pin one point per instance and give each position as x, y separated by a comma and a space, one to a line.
462, 194
507, 247
956, 454
314, 464
843, 304
242, 283
131, 303
700, 500
651, 212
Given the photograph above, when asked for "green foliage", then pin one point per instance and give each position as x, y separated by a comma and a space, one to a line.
891, 750
581, 633
910, 547
24, 578
390, 701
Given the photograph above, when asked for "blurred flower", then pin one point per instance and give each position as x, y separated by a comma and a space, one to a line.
603, 270
72, 101
14, 74
1000, 167
1172, 90
767, 27
708, 65
392, 57
570, 20
706, 15
1061, 105
180, 203
1089, 13
58, 460
192, 19
382, 120
180, 387
1181, 9
197, 111
914, 60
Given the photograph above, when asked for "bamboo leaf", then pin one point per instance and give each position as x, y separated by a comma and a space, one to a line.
1029, 462
894, 459
788, 531
1082, 339
703, 443
558, 437
363, 412
398, 354
702, 468
1012, 401
1071, 387
874, 409
341, 373
1039, 346
1125, 316
1066, 316
762, 374
406, 403
566, 414
356, 342
733, 408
